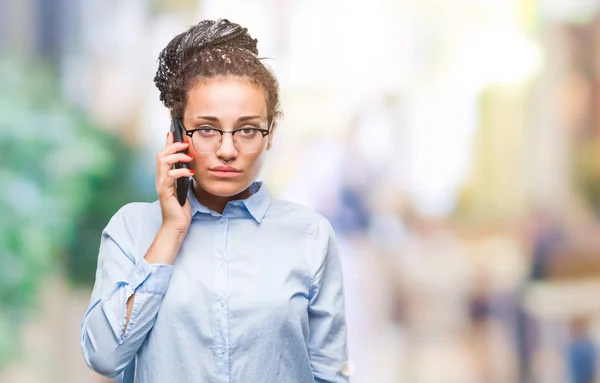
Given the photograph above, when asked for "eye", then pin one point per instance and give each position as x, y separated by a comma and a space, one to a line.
247, 132
207, 131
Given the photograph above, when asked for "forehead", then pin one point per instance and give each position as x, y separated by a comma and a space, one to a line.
226, 96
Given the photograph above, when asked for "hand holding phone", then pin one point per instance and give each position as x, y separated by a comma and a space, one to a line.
173, 181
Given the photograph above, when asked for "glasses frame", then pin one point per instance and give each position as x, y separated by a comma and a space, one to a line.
190, 133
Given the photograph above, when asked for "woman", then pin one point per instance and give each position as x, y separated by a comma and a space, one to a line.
233, 286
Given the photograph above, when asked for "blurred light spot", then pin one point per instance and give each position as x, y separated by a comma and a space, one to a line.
347, 368
501, 54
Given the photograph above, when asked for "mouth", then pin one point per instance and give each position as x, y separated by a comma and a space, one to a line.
224, 173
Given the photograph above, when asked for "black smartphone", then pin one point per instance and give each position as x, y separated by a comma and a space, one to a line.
182, 184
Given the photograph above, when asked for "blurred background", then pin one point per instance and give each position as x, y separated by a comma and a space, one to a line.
454, 145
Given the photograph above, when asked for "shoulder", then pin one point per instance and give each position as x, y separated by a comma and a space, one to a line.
294, 212
133, 227
316, 226
133, 218
318, 233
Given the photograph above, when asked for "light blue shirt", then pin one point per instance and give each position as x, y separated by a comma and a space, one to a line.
255, 296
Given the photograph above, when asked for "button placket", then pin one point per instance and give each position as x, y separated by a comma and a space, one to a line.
221, 288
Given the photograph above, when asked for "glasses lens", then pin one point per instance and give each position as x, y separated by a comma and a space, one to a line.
248, 140
206, 140
245, 140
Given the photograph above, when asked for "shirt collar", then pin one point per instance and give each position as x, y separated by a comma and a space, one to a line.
197, 207
257, 204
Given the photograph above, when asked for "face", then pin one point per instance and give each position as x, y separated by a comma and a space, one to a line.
226, 103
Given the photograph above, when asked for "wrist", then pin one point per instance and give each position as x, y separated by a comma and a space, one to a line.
173, 229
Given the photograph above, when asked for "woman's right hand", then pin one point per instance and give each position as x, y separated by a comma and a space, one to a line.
174, 216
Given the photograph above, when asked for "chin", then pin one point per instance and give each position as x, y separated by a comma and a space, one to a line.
224, 188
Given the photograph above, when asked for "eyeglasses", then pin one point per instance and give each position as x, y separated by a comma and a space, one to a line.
208, 140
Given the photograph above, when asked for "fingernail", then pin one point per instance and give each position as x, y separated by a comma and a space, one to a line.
193, 172
191, 158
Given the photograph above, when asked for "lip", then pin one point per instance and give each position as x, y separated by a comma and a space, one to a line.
224, 168
225, 172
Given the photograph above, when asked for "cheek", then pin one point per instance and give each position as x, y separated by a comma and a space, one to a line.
200, 161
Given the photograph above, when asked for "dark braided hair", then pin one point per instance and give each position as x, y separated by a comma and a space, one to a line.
212, 49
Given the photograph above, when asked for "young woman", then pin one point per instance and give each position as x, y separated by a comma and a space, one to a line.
233, 286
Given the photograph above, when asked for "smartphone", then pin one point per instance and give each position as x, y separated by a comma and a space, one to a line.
182, 184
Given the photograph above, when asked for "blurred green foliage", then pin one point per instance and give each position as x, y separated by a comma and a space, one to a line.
61, 178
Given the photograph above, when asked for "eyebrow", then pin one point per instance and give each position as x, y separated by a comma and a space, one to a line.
241, 119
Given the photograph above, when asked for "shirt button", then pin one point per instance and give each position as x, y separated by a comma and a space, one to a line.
222, 350
222, 302
223, 219
140, 271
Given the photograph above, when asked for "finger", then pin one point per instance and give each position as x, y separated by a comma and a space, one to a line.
179, 173
173, 148
165, 184
171, 159
169, 139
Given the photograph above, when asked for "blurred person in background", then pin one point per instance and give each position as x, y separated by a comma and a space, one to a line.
233, 285
581, 352
546, 238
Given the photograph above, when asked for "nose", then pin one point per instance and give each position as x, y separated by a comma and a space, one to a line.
227, 150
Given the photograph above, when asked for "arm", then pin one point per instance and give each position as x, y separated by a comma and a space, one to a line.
130, 287
327, 318
163, 251
116, 324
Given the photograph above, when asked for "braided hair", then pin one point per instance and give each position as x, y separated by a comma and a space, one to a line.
212, 49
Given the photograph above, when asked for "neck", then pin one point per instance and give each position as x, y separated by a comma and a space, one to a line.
215, 202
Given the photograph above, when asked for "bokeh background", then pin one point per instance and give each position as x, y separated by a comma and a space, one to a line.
454, 145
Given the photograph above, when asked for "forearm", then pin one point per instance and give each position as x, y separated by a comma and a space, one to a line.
116, 325
165, 246
106, 347
163, 250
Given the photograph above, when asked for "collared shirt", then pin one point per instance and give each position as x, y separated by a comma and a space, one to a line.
255, 295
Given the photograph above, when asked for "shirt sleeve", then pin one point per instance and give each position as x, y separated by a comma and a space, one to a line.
326, 310
122, 271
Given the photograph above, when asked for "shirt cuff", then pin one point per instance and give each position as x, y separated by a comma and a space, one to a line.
150, 278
